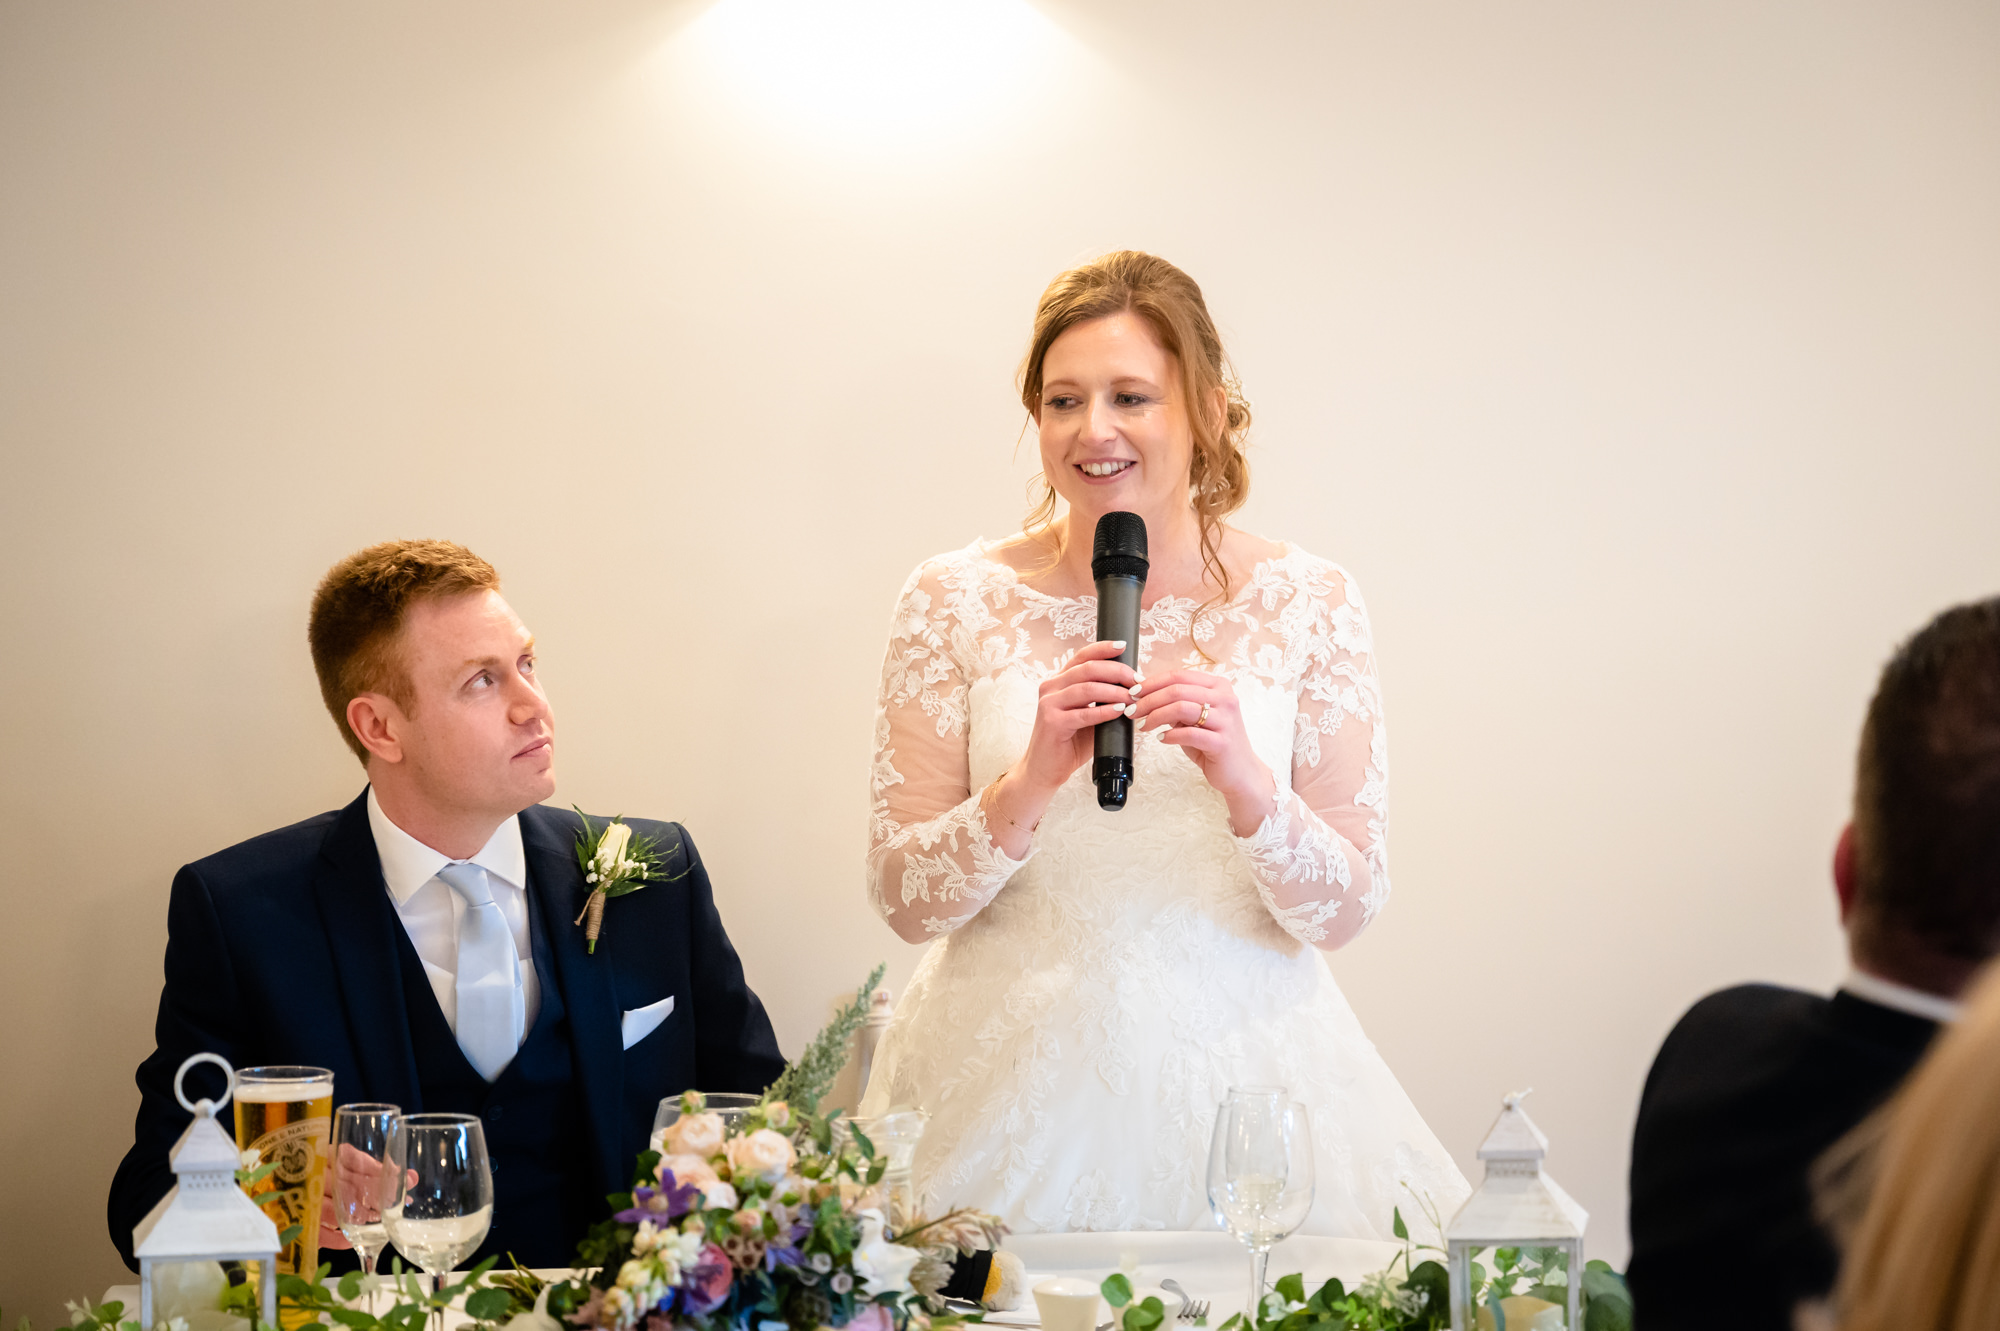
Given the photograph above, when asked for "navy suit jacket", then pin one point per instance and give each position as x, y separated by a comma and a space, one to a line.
1749, 1089
284, 949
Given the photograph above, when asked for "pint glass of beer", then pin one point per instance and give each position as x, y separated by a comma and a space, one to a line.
285, 1115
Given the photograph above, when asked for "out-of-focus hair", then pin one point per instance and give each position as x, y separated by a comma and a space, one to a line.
1925, 1255
1146, 285
357, 617
1927, 800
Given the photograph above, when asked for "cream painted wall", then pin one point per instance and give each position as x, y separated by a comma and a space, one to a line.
1638, 359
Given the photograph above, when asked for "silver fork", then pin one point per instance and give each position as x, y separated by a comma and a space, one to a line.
1192, 1310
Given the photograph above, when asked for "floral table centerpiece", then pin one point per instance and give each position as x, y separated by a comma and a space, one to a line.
771, 1219
775, 1222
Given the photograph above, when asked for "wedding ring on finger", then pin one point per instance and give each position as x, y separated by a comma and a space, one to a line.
1202, 720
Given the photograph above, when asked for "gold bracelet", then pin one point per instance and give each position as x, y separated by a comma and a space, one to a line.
986, 797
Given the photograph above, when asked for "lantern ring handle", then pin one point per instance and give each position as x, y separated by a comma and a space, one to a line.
196, 1107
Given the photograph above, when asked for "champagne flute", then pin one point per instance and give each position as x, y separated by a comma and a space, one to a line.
360, 1145
440, 1191
1260, 1172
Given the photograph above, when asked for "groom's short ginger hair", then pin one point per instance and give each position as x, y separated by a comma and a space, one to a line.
358, 612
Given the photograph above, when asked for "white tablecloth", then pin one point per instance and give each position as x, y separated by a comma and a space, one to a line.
1209, 1264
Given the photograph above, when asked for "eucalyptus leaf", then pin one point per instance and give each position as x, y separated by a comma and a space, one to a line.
1117, 1289
1146, 1315
488, 1305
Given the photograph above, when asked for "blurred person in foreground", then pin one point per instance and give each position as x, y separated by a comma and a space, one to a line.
1925, 1255
1757, 1081
421, 943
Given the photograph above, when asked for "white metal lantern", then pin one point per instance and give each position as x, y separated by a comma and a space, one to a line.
1515, 1206
205, 1217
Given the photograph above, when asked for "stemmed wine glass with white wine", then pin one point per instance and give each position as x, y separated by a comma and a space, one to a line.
1260, 1172
440, 1189
360, 1146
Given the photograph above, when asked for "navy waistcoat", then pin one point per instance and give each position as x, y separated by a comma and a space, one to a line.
532, 1115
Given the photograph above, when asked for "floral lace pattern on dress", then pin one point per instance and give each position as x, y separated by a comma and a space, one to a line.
1320, 862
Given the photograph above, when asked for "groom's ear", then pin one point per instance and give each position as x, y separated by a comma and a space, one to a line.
378, 723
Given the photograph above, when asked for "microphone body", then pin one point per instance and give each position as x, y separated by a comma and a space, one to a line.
1118, 565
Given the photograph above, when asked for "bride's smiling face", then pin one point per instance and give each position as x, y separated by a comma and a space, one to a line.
1113, 423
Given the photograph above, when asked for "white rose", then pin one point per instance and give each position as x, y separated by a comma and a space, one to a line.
719, 1194
695, 1134
761, 1154
611, 850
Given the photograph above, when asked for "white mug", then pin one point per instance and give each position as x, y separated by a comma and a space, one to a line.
1067, 1303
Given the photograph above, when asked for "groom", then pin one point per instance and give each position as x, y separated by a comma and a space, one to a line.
420, 942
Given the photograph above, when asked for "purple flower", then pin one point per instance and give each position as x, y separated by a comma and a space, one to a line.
706, 1285
670, 1200
788, 1253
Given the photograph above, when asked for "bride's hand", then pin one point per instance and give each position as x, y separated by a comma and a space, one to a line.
1199, 713
1096, 687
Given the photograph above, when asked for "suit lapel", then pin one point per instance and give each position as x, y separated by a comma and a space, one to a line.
555, 886
361, 924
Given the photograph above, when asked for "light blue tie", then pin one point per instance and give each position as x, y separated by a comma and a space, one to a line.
492, 1007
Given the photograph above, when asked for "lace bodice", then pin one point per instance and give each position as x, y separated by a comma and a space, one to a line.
969, 646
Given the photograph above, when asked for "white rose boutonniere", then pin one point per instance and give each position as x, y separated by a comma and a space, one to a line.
614, 862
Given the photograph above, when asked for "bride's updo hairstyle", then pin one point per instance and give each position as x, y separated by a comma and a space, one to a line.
1171, 304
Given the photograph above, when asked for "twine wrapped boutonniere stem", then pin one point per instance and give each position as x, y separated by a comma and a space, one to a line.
614, 862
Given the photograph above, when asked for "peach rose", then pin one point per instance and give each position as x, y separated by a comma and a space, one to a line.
761, 1154
695, 1134
690, 1169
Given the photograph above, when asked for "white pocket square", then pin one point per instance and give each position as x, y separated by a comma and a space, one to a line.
641, 1022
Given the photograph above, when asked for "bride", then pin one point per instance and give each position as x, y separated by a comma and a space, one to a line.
1098, 980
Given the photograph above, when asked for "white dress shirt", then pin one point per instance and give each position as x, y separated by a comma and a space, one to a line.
1902, 998
430, 910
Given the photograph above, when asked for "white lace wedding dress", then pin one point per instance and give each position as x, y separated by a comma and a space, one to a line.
1083, 1009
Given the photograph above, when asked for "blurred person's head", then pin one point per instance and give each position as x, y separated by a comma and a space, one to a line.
1925, 1255
431, 677
1918, 869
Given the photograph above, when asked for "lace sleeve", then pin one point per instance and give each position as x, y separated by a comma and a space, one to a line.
932, 864
1321, 860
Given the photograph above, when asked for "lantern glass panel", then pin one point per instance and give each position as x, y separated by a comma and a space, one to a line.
1531, 1285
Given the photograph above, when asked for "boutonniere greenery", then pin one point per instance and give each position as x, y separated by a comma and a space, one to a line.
614, 862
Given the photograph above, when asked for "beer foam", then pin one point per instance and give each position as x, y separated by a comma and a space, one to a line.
281, 1092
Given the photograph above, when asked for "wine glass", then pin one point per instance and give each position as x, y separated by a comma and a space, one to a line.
360, 1145
440, 1191
1260, 1172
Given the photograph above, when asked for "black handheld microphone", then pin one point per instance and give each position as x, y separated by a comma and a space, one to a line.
1118, 563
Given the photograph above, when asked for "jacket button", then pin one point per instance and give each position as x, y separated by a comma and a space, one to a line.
494, 1114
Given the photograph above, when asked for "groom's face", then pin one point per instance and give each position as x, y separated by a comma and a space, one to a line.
479, 735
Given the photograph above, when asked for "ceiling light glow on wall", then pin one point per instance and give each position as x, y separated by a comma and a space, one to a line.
881, 73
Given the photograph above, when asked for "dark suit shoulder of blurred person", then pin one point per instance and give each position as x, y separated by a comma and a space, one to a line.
1755, 1082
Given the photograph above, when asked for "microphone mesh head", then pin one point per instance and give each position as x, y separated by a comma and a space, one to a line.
1119, 546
